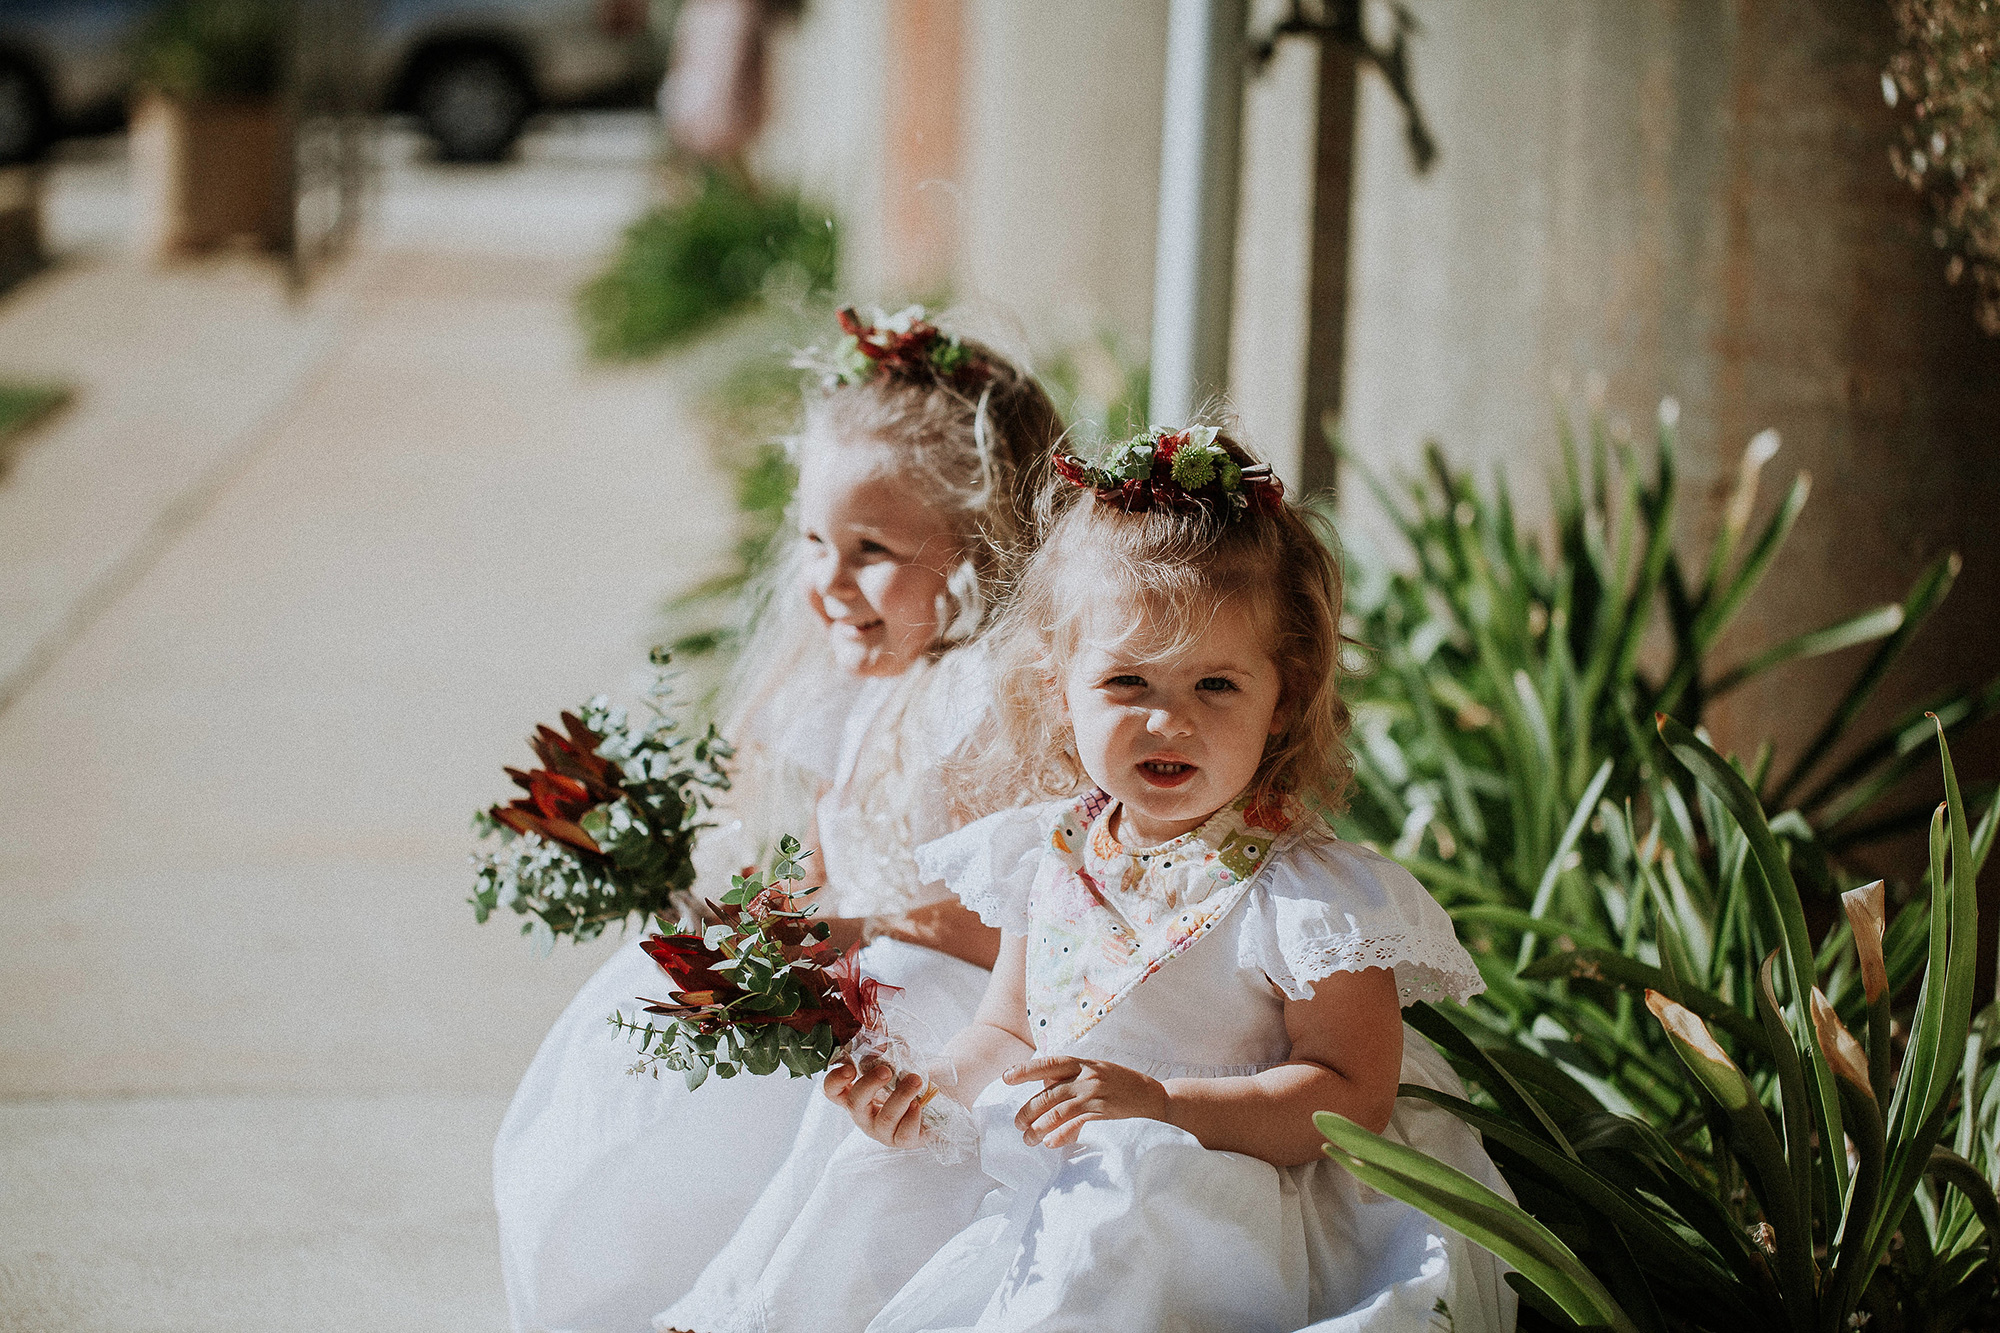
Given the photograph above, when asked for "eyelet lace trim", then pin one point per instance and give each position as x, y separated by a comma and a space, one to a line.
1426, 967
996, 906
984, 876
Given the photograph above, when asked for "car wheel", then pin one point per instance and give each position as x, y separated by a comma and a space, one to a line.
25, 125
473, 104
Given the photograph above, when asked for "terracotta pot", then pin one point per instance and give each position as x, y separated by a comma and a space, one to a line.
210, 174
20, 223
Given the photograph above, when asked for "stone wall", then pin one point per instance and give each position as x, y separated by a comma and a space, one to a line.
1689, 199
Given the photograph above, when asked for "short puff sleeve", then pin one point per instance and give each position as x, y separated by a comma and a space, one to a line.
1323, 906
991, 863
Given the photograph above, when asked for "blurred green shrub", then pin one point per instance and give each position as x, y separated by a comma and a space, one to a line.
22, 407
685, 267
749, 413
213, 50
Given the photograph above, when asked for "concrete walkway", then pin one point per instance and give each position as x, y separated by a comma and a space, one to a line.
278, 597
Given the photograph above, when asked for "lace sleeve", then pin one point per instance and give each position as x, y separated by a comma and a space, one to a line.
991, 863
1326, 907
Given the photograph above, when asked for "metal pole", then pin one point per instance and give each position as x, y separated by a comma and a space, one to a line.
1195, 261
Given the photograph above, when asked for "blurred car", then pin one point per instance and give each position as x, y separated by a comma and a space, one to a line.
471, 71
64, 66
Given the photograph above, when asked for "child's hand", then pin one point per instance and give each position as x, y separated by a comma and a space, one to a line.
1078, 1092
885, 1107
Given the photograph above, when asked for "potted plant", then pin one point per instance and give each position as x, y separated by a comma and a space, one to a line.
210, 137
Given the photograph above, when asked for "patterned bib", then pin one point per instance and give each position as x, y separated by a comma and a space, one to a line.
1106, 919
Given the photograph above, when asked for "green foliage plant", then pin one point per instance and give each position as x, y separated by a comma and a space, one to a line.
213, 50
683, 268
747, 412
1504, 751
1662, 1049
1801, 1186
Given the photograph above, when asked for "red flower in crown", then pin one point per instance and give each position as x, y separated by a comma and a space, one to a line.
904, 344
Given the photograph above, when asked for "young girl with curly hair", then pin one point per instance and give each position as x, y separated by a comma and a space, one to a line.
1192, 965
919, 460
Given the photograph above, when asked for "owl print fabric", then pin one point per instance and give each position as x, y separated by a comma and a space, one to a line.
1106, 918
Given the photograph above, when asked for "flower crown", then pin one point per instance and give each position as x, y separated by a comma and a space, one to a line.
1185, 469
904, 344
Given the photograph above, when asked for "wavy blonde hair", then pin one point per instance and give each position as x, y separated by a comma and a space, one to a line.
1174, 570
979, 454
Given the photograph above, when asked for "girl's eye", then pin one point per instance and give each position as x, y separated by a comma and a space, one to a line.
1126, 683
1215, 683
874, 548
814, 538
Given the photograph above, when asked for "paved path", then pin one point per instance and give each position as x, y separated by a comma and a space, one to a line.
277, 598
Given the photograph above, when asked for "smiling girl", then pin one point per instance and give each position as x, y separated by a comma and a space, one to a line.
918, 463
1191, 966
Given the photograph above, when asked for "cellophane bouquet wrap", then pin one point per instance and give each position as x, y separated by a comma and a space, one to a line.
607, 826
762, 990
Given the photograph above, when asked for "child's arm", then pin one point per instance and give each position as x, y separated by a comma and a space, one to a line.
885, 1105
946, 925
1347, 1056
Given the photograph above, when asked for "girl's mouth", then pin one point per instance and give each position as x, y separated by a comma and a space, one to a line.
856, 630
1166, 772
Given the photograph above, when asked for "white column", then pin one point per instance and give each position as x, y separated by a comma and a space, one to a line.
1200, 141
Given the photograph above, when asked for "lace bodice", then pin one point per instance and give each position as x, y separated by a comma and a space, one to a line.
886, 799
1316, 907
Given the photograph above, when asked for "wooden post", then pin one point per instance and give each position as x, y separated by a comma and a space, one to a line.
1326, 319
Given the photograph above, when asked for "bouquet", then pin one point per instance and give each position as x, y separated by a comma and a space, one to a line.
607, 826
763, 989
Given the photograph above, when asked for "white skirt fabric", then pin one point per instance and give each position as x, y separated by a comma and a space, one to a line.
1137, 1228
613, 1189
774, 1272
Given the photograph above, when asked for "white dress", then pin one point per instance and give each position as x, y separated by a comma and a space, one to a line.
1137, 1226
614, 1191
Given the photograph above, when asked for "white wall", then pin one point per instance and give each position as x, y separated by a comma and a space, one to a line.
1060, 163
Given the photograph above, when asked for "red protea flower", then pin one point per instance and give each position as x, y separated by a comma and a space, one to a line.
574, 781
691, 963
835, 991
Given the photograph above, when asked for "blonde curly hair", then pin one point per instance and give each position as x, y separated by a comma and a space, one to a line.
1180, 567
977, 453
